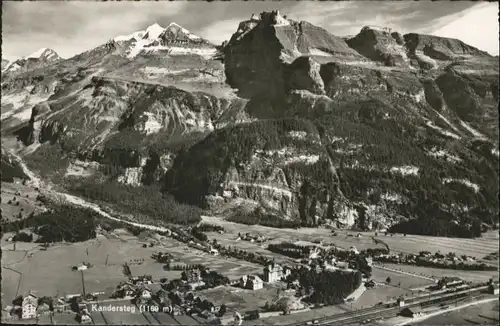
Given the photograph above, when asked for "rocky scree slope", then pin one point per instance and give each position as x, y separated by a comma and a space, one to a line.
358, 132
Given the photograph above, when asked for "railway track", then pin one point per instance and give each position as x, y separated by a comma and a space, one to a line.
391, 308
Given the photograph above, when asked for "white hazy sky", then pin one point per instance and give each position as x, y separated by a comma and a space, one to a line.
72, 27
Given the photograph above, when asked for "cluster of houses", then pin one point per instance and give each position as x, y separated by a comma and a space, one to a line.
162, 257
82, 267
426, 257
326, 259
133, 288
273, 272
251, 237
31, 306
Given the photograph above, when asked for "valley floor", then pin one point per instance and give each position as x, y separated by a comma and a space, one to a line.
478, 248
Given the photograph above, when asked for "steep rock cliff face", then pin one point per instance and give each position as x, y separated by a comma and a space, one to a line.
129, 124
304, 73
388, 137
280, 165
439, 48
381, 46
256, 60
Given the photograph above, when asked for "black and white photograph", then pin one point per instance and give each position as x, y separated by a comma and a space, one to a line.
250, 163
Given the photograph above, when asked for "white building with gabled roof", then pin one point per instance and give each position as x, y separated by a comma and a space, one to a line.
29, 306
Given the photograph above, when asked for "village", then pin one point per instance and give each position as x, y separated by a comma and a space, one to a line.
282, 279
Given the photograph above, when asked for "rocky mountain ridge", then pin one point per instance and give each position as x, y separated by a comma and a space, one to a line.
287, 119
40, 58
172, 39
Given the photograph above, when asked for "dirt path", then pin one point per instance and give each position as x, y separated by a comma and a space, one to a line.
50, 192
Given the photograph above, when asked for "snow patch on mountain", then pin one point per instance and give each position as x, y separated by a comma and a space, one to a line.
152, 125
298, 134
314, 51
444, 154
306, 159
472, 130
405, 170
153, 32
466, 182
11, 66
183, 30
144, 46
136, 36
43, 53
442, 131
153, 39
164, 71
284, 192
393, 197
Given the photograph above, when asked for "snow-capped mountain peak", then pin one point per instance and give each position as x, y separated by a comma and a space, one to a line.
154, 31
38, 58
172, 38
43, 53
177, 30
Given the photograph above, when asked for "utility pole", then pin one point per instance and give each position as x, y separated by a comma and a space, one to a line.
83, 284
106, 263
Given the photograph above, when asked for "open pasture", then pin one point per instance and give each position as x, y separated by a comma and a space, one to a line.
237, 299
481, 314
22, 271
375, 295
472, 276
478, 248
18, 199
125, 318
228, 240
401, 280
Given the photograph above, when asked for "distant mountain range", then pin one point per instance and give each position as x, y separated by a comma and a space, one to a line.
37, 59
284, 121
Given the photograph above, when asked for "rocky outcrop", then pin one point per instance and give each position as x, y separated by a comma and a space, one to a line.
305, 75
284, 171
380, 45
4, 63
439, 48
257, 56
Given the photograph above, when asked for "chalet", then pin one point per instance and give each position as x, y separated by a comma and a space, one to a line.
273, 272
71, 296
193, 276
214, 252
144, 292
81, 267
411, 312
370, 284
29, 306
163, 298
145, 279
314, 253
251, 282
400, 302
493, 289
447, 282
85, 318
354, 250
